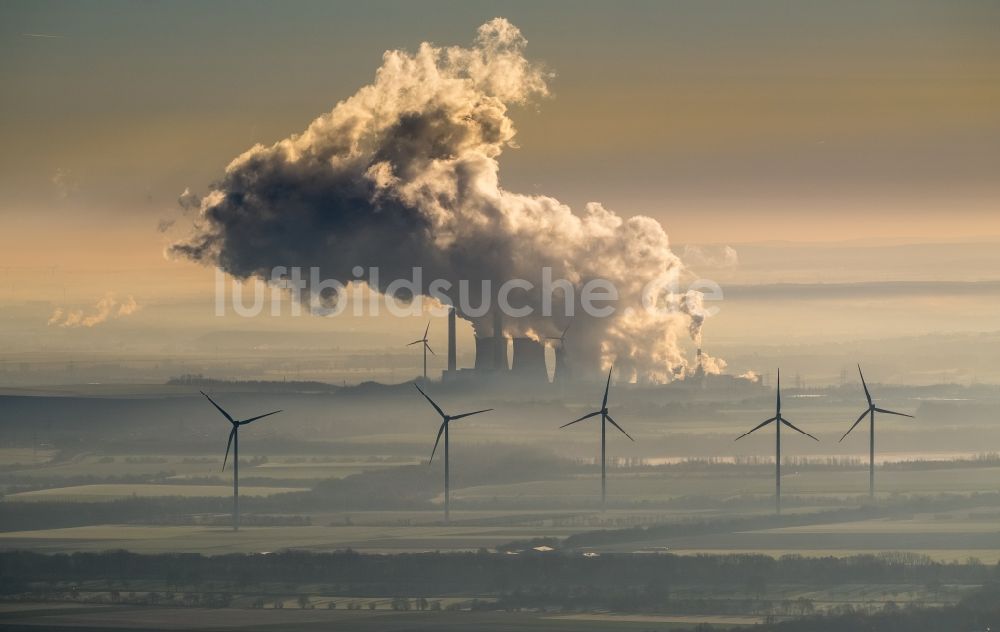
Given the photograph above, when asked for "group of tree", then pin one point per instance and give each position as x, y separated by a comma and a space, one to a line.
433, 574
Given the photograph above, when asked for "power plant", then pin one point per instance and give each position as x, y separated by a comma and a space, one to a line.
517, 358
529, 359
505, 358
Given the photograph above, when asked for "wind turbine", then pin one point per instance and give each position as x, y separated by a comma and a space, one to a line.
777, 442
234, 442
872, 409
560, 354
426, 346
443, 429
605, 418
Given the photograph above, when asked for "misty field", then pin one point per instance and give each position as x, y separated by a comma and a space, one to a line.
955, 539
131, 619
93, 493
24, 456
43, 465
491, 515
720, 483
374, 539
690, 620
364, 482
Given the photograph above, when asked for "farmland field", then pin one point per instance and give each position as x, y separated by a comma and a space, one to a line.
366, 486
372, 539
128, 619
90, 493
24, 456
182, 467
955, 538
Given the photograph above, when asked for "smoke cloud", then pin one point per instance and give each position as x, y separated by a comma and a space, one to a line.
108, 308
716, 257
405, 173
189, 201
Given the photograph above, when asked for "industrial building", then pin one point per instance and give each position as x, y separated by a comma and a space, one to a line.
493, 357
521, 360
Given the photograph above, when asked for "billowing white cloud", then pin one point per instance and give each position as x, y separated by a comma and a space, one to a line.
405, 173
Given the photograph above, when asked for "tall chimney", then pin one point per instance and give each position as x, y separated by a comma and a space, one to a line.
499, 341
451, 340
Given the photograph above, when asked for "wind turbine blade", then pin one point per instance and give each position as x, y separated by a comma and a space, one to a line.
436, 441
427, 329
246, 421
588, 416
608, 417
485, 410
429, 348
865, 385
604, 402
219, 407
792, 426
436, 407
415, 342
756, 428
862, 416
232, 433
892, 412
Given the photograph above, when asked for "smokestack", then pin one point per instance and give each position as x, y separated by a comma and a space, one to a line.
529, 359
499, 342
699, 368
451, 340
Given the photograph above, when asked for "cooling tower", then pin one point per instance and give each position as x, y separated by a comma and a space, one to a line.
484, 353
561, 372
529, 359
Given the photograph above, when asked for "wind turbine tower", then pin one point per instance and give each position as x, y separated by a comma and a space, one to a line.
777, 441
870, 412
443, 429
234, 442
426, 347
605, 419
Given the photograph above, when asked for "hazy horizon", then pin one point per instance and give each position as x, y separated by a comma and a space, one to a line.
862, 158
722, 278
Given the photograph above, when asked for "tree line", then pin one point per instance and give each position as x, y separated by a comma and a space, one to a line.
483, 573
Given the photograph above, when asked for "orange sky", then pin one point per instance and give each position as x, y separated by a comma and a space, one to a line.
729, 122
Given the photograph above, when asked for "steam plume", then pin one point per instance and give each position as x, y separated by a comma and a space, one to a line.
107, 308
404, 173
